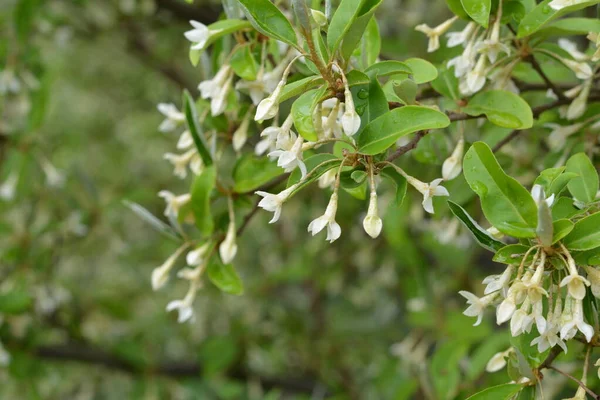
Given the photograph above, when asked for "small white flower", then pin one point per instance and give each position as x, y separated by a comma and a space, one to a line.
180, 162
211, 88
458, 38
576, 284
219, 101
9, 187
579, 105
560, 4
185, 140
173, 117
327, 220
240, 136
372, 222
54, 177
4, 357
268, 107
593, 276
160, 275
198, 36
434, 33
174, 203
184, 306
465, 62
476, 78
274, 202
350, 119
198, 255
577, 322
537, 192
327, 179
228, 248
571, 48
558, 136
429, 191
477, 305
498, 282
521, 321
492, 46
9, 82
498, 361
290, 158
582, 70
452, 166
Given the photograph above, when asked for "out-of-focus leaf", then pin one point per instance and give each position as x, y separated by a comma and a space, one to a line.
484, 239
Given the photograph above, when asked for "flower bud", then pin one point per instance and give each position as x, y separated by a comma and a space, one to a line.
372, 223
319, 17
228, 248
453, 164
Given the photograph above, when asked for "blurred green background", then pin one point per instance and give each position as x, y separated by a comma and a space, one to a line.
352, 320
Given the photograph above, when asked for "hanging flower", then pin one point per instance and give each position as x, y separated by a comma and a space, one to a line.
327, 220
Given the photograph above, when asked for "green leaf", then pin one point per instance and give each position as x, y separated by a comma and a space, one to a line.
543, 14
201, 190
399, 181
302, 112
377, 102
446, 84
300, 86
479, 10
225, 277
512, 254
383, 132
243, 63
23, 17
445, 371
423, 71
505, 202
251, 172
15, 302
387, 68
484, 239
571, 26
502, 108
585, 186
193, 124
585, 235
562, 228
500, 392
154, 222
316, 166
268, 20
563, 209
456, 7
343, 20
371, 47
354, 35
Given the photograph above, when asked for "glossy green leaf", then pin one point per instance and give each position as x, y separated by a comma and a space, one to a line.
456, 7
383, 132
512, 254
563, 209
562, 228
585, 186
446, 84
482, 237
500, 392
571, 26
243, 62
201, 190
300, 86
387, 68
505, 202
302, 112
345, 17
502, 108
422, 71
371, 47
399, 181
377, 103
269, 20
193, 124
354, 35
225, 277
479, 10
585, 235
218, 30
543, 14
251, 172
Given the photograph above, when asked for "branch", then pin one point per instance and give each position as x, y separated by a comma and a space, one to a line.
580, 383
182, 369
408, 147
538, 68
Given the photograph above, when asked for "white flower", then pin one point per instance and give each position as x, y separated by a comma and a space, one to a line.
173, 117
582, 70
593, 276
576, 285
521, 321
331, 125
560, 4
429, 191
464, 62
434, 33
240, 136
576, 321
327, 179
180, 162
274, 202
160, 275
579, 105
9, 82
9, 186
185, 140
54, 178
498, 361
327, 220
219, 100
571, 48
372, 223
538, 195
558, 136
228, 248
198, 255
290, 158
497, 282
264, 82
4, 356
453, 165
476, 305
174, 203
476, 77
211, 88
548, 339
492, 46
268, 107
458, 38
350, 119
198, 36
184, 306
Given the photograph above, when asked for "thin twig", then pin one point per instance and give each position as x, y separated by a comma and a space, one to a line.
538, 68
588, 390
408, 147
